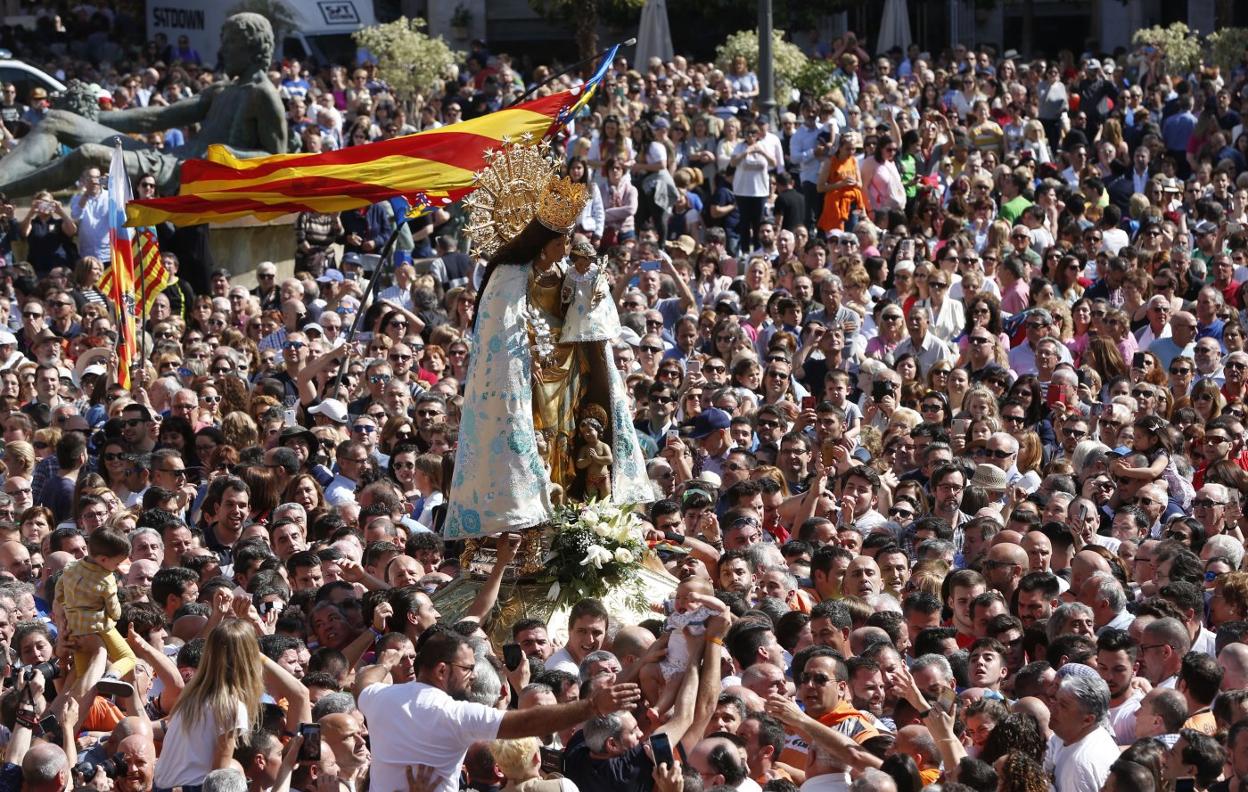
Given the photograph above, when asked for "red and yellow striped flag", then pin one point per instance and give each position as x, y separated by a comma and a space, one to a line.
429, 168
147, 263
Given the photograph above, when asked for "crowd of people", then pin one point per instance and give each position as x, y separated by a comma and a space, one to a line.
940, 377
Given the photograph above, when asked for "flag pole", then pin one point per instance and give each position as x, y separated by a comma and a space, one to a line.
142, 302
387, 250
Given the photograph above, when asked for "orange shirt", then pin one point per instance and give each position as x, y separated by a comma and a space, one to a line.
103, 716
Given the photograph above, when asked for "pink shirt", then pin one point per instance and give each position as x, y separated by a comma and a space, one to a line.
1016, 298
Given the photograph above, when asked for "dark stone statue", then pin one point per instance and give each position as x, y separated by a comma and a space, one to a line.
244, 112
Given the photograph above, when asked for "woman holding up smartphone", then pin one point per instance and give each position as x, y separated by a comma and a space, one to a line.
49, 231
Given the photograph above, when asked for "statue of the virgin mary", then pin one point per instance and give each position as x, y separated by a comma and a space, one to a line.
528, 385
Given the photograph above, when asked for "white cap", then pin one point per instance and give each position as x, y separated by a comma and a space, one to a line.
95, 369
332, 409
7, 338
707, 477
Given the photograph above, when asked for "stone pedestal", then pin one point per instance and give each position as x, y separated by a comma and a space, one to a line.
240, 245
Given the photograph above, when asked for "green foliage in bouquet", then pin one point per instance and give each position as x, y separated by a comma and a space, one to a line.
596, 547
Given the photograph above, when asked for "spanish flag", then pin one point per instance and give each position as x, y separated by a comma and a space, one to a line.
430, 169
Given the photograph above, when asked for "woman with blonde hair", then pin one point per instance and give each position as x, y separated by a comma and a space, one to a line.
928, 576
904, 417
221, 702
19, 459
520, 761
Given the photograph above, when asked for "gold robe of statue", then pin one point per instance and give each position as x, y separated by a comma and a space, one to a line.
558, 386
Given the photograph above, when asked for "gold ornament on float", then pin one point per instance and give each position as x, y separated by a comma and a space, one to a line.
508, 192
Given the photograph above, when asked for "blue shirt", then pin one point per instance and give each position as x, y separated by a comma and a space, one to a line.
1211, 330
1177, 129
802, 152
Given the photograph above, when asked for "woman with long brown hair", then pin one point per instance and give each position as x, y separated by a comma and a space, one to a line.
1102, 354
221, 703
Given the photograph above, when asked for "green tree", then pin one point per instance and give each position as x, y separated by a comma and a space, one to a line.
585, 16
1178, 45
407, 58
788, 60
1226, 48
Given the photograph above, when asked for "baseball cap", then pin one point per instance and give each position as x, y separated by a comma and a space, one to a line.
332, 409
706, 423
330, 275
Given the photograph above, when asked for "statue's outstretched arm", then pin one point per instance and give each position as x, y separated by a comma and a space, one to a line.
157, 119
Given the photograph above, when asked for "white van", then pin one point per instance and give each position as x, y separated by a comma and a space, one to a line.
320, 35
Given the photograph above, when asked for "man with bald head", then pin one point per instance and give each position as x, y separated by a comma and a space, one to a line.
917, 743
1039, 551
1007, 536
631, 643
1085, 564
1233, 660
862, 578
127, 727
141, 572
45, 768
15, 561
342, 732
1180, 343
720, 762
1004, 567
764, 679
140, 756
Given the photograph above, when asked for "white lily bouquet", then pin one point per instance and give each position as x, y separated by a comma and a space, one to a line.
596, 547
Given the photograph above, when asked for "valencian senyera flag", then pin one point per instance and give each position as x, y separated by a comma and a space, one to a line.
150, 272
430, 169
121, 288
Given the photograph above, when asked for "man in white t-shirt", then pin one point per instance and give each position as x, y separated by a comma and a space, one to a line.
1081, 760
430, 722
1116, 656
